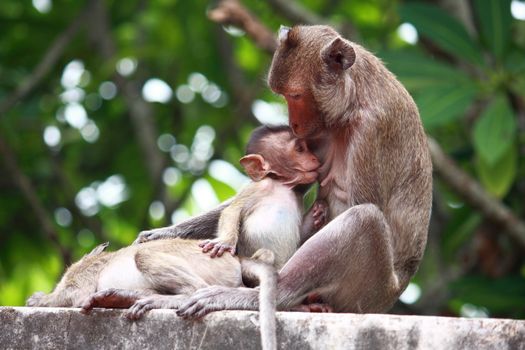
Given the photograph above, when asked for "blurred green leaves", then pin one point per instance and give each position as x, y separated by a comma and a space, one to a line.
495, 22
494, 142
444, 92
444, 30
501, 296
495, 130
469, 87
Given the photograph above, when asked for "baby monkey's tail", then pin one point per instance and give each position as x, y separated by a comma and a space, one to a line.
260, 267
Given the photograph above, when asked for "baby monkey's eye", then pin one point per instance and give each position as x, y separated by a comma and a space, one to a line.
294, 96
299, 147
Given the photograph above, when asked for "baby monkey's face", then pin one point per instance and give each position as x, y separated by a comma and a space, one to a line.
297, 164
282, 157
306, 162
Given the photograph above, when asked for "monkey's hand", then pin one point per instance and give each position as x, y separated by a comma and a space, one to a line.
217, 298
217, 247
159, 233
320, 214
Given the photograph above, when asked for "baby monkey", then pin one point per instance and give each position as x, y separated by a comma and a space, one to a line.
267, 213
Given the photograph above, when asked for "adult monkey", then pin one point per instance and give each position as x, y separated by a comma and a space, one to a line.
376, 177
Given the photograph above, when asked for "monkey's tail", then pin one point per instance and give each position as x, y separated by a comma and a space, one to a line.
267, 276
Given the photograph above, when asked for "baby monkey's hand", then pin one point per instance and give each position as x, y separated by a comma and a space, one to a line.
320, 214
216, 247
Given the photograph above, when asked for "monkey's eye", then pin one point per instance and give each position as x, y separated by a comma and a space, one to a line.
299, 147
294, 96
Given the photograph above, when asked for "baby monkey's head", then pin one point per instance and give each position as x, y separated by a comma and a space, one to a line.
273, 151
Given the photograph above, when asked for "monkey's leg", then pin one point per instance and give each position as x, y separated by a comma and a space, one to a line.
349, 262
114, 298
166, 274
203, 226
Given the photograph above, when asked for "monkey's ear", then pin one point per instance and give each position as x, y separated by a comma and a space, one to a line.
339, 55
283, 33
255, 166
98, 249
288, 36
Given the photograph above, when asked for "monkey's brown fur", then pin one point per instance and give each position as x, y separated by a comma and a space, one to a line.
376, 177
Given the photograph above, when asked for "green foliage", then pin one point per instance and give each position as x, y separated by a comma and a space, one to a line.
444, 30
445, 93
501, 296
495, 24
468, 85
468, 82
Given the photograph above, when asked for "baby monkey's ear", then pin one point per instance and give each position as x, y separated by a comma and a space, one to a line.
255, 166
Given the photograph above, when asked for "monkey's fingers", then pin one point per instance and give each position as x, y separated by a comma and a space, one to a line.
196, 310
318, 214
204, 243
137, 310
319, 223
209, 246
202, 302
217, 250
220, 248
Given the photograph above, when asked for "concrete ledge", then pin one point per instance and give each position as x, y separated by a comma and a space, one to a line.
59, 328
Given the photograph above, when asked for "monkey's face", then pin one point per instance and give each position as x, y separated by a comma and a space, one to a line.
294, 163
306, 59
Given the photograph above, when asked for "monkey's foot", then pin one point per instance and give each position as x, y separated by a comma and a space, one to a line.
139, 308
312, 303
216, 298
216, 247
314, 307
111, 298
35, 299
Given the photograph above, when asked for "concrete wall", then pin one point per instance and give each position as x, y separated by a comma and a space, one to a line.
58, 328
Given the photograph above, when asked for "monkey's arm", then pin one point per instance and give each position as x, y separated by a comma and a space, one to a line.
198, 227
314, 219
229, 225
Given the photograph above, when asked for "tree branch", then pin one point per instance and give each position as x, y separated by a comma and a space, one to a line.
467, 187
296, 13
231, 12
28, 191
47, 63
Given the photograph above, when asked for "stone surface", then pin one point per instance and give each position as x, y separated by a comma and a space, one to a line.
60, 328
